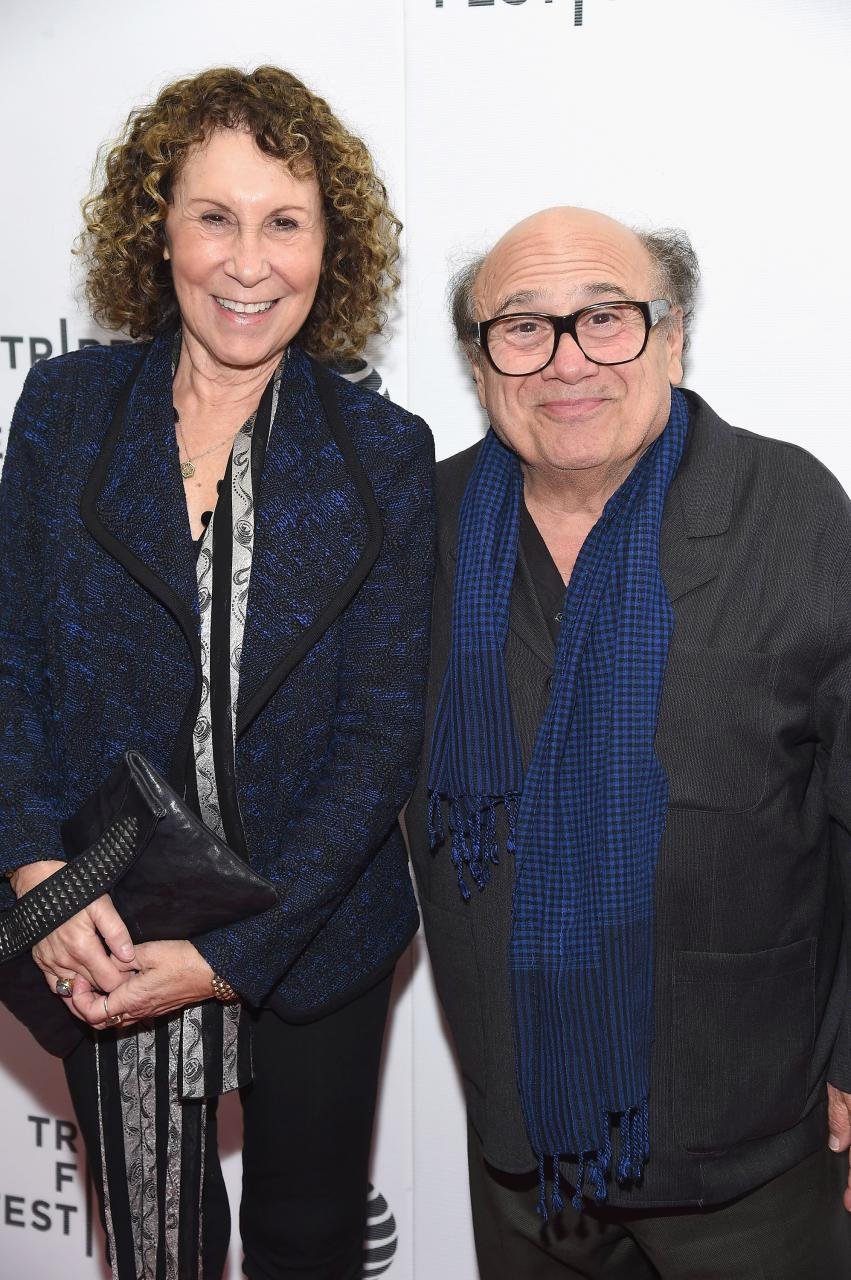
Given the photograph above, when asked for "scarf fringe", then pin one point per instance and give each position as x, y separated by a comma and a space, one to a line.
594, 1166
635, 1143
436, 829
558, 1201
474, 846
541, 1206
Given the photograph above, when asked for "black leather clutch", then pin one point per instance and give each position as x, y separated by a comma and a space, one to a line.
168, 874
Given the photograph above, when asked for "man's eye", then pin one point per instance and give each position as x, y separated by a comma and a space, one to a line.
526, 328
603, 319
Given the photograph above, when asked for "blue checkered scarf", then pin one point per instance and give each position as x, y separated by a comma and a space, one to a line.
586, 821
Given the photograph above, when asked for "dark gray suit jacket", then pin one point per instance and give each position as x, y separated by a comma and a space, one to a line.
750, 1006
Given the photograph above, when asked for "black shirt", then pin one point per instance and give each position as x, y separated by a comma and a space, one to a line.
549, 584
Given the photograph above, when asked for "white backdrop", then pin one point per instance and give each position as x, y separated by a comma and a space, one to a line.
727, 119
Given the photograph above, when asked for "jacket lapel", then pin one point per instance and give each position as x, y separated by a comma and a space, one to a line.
699, 505
317, 533
133, 503
134, 506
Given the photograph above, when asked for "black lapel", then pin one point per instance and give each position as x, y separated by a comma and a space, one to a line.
134, 506
699, 506
317, 533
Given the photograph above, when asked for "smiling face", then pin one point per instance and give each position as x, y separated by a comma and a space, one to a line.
245, 239
575, 416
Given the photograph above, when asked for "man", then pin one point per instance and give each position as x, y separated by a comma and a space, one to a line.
637, 788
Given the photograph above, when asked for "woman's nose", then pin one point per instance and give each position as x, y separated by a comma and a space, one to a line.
248, 262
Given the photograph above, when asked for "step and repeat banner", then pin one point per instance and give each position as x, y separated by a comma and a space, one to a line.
726, 119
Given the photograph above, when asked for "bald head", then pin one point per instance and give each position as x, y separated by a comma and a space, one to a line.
525, 260
555, 244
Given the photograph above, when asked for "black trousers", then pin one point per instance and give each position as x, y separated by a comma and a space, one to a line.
793, 1228
308, 1120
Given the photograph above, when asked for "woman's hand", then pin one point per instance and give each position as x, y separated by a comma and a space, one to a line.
76, 949
170, 975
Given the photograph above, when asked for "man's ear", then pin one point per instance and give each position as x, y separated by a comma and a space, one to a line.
674, 342
477, 367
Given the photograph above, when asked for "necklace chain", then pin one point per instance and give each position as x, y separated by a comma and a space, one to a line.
187, 467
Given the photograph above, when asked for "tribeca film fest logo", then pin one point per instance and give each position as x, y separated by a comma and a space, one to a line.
19, 351
56, 1142
489, 4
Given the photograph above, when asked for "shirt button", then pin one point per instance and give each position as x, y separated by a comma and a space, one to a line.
550, 681
559, 616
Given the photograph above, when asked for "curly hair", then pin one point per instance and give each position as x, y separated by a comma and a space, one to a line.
128, 284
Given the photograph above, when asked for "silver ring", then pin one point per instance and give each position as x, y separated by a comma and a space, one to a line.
64, 987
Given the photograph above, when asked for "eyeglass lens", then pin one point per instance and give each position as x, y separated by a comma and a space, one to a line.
610, 335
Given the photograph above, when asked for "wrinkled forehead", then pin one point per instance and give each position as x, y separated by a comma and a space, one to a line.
559, 266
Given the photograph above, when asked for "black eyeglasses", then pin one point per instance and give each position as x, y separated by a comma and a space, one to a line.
606, 333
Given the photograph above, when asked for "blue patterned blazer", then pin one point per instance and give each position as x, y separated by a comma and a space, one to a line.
100, 648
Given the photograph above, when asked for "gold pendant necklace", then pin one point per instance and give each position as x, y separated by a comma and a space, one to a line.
187, 468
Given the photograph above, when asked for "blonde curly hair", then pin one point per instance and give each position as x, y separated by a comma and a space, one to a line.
128, 284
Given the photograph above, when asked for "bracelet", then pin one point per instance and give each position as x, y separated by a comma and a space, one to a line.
222, 989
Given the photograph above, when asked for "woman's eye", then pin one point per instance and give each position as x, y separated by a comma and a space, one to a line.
284, 224
214, 219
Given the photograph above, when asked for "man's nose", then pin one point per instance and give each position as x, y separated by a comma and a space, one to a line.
569, 361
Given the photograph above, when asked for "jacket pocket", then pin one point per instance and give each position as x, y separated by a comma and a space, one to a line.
453, 962
743, 1038
717, 724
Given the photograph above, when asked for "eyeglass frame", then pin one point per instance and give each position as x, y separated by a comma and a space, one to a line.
567, 324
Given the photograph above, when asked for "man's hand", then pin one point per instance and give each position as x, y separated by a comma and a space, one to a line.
839, 1124
93, 947
170, 975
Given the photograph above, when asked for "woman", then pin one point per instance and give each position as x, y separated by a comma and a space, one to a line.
218, 553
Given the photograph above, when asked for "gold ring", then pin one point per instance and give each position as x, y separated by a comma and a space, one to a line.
64, 987
112, 1019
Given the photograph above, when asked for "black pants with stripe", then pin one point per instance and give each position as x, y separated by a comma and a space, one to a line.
308, 1120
